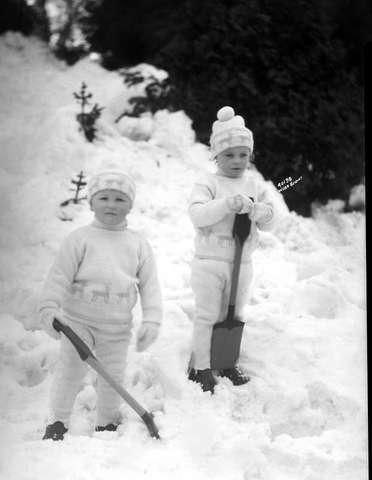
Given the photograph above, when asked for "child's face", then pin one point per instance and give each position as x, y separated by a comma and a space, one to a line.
233, 161
110, 206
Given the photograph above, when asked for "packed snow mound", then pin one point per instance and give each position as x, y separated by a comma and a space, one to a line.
304, 412
357, 197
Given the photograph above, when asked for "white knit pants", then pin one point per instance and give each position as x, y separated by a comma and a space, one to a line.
110, 348
211, 284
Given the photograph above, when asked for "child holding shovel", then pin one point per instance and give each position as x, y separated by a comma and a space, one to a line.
92, 287
214, 203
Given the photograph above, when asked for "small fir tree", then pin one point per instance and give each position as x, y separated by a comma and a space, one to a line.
79, 184
87, 120
157, 96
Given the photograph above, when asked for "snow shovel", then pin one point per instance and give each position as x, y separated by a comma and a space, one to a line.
227, 335
87, 355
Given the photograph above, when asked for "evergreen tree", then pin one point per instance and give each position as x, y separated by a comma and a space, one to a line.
16, 16
133, 31
281, 66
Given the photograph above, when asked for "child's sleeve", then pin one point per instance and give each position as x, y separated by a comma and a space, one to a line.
149, 287
62, 273
204, 209
265, 210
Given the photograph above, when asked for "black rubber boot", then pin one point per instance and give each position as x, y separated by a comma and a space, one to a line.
55, 431
110, 427
235, 375
205, 378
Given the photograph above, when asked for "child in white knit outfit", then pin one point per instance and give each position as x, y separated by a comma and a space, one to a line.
215, 200
93, 287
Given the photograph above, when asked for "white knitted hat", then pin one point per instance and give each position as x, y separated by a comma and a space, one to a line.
111, 180
228, 131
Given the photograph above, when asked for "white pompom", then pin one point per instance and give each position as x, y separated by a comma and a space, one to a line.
225, 113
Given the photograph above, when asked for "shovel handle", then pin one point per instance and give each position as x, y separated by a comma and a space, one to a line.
235, 275
82, 348
241, 231
242, 226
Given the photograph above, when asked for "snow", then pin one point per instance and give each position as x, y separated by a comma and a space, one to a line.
304, 413
357, 198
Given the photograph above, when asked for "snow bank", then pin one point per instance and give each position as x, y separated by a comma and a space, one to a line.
303, 415
357, 197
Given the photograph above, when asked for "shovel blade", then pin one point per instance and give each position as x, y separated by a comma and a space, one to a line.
225, 345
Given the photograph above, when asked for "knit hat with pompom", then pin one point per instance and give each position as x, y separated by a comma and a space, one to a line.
228, 131
111, 180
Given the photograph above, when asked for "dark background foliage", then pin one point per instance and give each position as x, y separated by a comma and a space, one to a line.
294, 70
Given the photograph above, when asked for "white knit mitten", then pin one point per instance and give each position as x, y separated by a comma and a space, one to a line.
47, 315
239, 204
147, 334
261, 212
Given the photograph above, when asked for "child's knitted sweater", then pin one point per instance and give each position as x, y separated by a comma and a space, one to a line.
97, 273
210, 215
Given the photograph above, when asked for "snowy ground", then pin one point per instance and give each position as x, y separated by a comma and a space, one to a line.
303, 415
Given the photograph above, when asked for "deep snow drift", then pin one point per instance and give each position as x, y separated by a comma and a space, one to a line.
304, 413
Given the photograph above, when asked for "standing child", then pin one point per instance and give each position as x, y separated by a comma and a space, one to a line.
92, 287
215, 200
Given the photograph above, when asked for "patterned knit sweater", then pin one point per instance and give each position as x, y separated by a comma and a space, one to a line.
214, 221
97, 274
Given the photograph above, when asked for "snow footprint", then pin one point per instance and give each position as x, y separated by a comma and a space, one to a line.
27, 356
309, 413
336, 409
317, 298
146, 385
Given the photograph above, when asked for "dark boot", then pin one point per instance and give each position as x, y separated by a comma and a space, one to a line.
205, 378
110, 427
235, 375
55, 431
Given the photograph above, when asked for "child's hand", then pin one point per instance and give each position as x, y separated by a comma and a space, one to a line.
47, 316
239, 204
147, 334
234, 203
261, 212
247, 205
